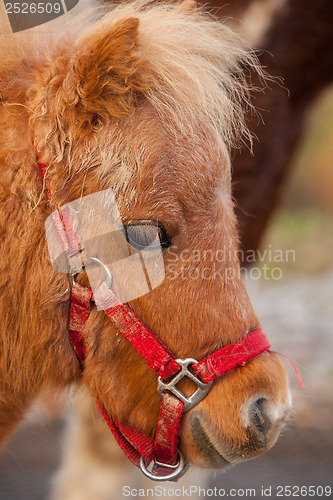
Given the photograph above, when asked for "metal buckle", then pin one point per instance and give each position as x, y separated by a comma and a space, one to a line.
158, 472
108, 276
196, 397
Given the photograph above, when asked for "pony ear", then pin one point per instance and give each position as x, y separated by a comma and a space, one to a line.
103, 74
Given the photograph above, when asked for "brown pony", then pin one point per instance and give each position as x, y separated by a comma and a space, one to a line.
146, 101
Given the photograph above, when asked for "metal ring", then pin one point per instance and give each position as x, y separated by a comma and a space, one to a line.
176, 469
72, 279
197, 396
108, 276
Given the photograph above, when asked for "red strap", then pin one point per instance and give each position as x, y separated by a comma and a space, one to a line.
157, 355
133, 442
78, 317
237, 354
64, 226
63, 222
299, 378
45, 178
166, 439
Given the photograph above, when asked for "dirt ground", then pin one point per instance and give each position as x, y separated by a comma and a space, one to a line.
296, 313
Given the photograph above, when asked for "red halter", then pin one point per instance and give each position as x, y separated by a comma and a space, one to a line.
168, 464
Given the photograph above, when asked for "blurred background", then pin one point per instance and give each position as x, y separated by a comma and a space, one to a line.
295, 306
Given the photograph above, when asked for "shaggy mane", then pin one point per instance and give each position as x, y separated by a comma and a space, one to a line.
194, 64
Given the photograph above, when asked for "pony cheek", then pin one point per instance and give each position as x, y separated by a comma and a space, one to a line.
118, 377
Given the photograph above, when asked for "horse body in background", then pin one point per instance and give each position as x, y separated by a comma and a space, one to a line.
146, 101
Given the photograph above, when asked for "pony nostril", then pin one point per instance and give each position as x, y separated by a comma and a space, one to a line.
259, 416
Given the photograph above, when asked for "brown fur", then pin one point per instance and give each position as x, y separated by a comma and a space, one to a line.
142, 102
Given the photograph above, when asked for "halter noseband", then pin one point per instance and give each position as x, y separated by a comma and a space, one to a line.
161, 454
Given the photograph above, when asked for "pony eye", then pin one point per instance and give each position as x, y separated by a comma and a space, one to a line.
147, 235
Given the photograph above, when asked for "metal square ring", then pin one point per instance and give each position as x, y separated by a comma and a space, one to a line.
196, 397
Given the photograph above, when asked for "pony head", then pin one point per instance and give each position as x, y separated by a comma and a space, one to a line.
147, 101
